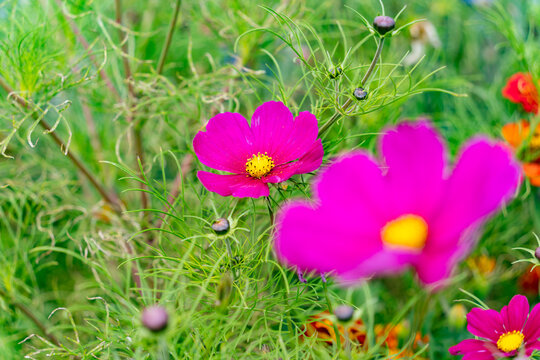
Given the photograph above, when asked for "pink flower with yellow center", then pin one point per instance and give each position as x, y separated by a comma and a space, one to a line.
372, 217
503, 334
275, 147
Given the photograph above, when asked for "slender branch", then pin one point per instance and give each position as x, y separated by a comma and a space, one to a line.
185, 167
168, 40
110, 198
337, 115
28, 313
80, 37
139, 148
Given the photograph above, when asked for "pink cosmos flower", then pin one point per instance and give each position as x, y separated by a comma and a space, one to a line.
373, 217
511, 332
275, 147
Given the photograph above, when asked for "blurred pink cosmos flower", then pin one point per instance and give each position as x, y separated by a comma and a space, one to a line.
506, 334
374, 217
275, 147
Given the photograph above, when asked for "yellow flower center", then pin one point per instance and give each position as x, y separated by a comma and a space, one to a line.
406, 232
259, 165
510, 341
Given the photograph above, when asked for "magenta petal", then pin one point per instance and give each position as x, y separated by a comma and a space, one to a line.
485, 176
226, 144
415, 157
236, 185
467, 346
479, 355
515, 314
313, 239
382, 263
353, 186
530, 347
283, 138
436, 267
309, 162
485, 323
532, 327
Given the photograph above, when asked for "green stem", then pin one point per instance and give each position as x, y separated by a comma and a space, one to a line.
28, 313
168, 40
337, 115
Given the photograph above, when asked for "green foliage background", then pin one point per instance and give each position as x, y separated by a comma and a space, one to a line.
85, 272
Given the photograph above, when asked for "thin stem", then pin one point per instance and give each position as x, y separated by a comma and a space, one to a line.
28, 313
80, 37
110, 198
139, 149
168, 40
349, 101
270, 211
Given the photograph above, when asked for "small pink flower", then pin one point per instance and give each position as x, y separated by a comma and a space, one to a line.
374, 217
275, 147
511, 332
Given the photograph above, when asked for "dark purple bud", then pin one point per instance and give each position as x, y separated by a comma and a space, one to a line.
384, 24
360, 93
155, 318
221, 226
335, 72
344, 313
301, 276
537, 253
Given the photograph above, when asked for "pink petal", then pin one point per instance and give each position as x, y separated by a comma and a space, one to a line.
236, 185
485, 177
353, 186
532, 327
434, 267
226, 144
485, 323
415, 157
467, 346
317, 239
480, 355
382, 263
530, 347
311, 160
515, 314
307, 163
277, 134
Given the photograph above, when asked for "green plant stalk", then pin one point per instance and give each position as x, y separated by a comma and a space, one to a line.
80, 37
349, 101
131, 98
110, 198
168, 39
28, 313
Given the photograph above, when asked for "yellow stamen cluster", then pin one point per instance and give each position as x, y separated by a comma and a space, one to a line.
259, 165
408, 232
510, 341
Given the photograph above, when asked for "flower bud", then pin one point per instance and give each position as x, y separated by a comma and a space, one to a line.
537, 253
221, 226
155, 318
360, 93
224, 290
384, 24
334, 72
344, 313
457, 316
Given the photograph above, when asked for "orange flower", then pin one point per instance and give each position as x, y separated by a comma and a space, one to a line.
520, 89
392, 334
322, 327
516, 134
528, 282
483, 265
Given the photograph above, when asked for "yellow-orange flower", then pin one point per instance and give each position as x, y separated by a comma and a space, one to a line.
322, 327
516, 134
482, 264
